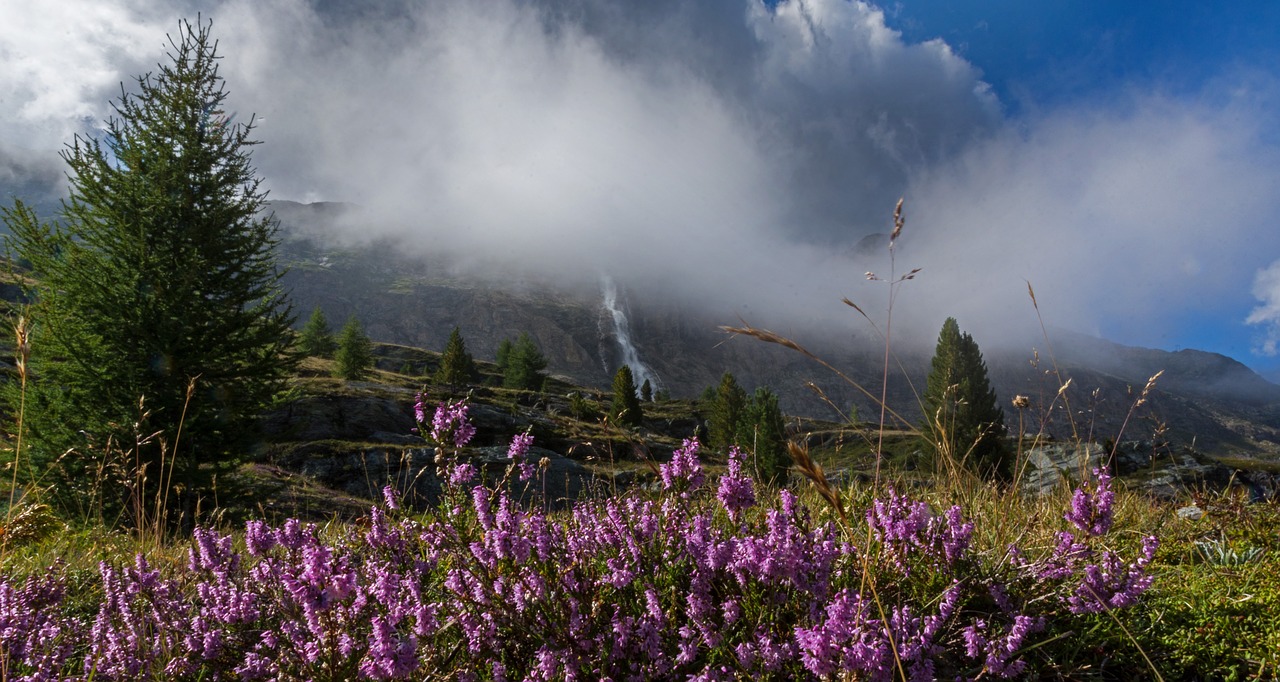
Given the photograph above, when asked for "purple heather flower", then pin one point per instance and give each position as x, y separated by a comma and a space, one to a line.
684, 469
391, 497
1091, 509
737, 492
420, 408
449, 426
460, 474
518, 453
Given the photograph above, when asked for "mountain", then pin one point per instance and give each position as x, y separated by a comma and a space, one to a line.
1202, 399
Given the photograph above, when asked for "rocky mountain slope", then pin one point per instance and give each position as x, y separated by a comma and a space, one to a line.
1202, 399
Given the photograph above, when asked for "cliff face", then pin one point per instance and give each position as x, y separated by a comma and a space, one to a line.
1204, 399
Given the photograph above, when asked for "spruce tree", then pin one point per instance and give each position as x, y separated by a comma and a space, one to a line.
646, 391
157, 283
315, 339
727, 410
524, 365
503, 358
764, 432
456, 365
962, 418
355, 352
626, 406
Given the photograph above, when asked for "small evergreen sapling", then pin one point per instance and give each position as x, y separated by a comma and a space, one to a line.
355, 352
626, 406
456, 365
962, 416
524, 365
315, 339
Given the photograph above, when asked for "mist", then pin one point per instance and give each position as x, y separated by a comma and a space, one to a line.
719, 154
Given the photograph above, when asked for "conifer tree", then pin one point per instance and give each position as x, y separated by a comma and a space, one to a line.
646, 391
626, 406
524, 365
355, 352
727, 411
764, 432
157, 308
503, 358
315, 339
456, 365
962, 417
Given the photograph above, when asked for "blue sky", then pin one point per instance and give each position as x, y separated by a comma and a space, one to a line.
1060, 54
1049, 53
1122, 157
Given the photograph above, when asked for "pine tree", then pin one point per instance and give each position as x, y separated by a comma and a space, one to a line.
727, 410
764, 432
646, 391
355, 352
962, 418
626, 406
524, 365
456, 364
503, 358
158, 283
315, 339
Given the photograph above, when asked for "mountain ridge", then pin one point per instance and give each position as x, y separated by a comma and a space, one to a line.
1204, 399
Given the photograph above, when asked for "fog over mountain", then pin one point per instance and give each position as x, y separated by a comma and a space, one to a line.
724, 154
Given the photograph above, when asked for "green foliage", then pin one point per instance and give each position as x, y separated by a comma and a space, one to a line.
753, 423
580, 407
523, 365
764, 432
727, 410
626, 406
158, 283
456, 365
646, 391
962, 419
503, 359
355, 352
316, 339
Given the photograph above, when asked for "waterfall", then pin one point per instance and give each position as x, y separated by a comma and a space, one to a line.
622, 335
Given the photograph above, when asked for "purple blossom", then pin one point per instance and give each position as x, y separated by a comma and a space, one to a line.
1091, 509
519, 454
450, 426
684, 471
1113, 584
737, 491
391, 497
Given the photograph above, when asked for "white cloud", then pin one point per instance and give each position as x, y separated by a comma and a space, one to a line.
1130, 218
711, 149
1266, 287
63, 61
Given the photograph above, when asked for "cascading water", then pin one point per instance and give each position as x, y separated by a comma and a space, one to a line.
627, 353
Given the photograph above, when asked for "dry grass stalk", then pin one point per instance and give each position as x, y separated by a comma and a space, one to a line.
771, 337
803, 463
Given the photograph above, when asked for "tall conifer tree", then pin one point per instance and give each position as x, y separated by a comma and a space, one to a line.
626, 405
316, 339
456, 365
961, 412
728, 407
524, 365
157, 283
355, 351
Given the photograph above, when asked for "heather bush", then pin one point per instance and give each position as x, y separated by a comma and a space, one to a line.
703, 579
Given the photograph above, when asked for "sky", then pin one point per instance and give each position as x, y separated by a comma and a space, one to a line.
1123, 159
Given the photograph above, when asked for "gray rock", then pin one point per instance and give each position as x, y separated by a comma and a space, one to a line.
1054, 464
1190, 513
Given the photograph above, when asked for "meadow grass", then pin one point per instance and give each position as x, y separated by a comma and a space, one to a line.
901, 575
